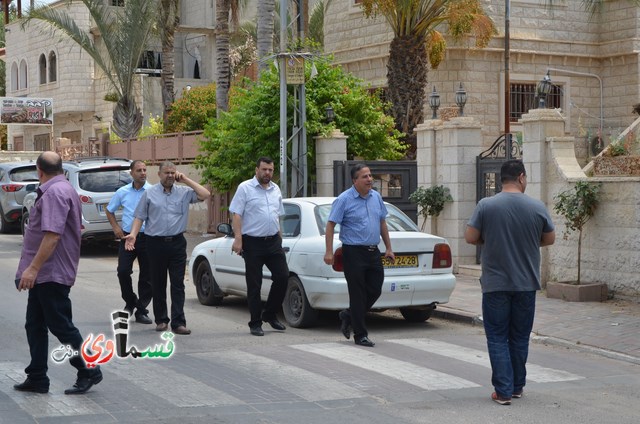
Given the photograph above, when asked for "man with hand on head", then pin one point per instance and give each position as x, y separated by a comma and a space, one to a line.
164, 209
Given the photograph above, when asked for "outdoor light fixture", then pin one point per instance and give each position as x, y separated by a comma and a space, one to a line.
331, 116
543, 89
461, 99
434, 102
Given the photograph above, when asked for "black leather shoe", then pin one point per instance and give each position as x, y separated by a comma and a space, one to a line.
364, 341
83, 384
345, 327
276, 325
143, 319
256, 331
32, 386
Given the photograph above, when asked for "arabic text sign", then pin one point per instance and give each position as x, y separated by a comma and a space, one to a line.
295, 70
26, 111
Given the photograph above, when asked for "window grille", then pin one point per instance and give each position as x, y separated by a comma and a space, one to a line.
523, 97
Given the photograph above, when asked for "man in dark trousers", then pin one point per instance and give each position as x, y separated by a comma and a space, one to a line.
257, 207
511, 227
127, 198
361, 214
48, 268
164, 209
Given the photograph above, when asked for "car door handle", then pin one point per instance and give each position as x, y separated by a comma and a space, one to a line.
286, 249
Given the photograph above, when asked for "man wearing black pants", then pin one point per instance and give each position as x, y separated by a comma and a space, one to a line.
361, 214
257, 207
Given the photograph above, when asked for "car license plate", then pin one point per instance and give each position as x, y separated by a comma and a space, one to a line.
101, 207
402, 261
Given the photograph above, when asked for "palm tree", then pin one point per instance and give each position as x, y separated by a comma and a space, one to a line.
123, 34
226, 10
264, 42
168, 21
417, 43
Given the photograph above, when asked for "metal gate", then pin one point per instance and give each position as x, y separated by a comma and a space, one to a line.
488, 164
395, 181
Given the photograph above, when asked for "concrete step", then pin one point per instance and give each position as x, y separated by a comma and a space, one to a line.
470, 270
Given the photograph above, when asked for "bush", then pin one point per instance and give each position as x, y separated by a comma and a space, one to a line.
430, 201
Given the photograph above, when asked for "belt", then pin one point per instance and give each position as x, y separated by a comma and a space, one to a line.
262, 237
370, 248
166, 238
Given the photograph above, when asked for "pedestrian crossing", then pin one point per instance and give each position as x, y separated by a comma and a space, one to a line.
312, 373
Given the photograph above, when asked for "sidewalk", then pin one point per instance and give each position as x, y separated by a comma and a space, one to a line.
609, 328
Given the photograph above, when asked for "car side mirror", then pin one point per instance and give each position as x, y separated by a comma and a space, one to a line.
225, 229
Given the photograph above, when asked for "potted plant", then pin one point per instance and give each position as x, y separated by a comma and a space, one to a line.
577, 205
430, 202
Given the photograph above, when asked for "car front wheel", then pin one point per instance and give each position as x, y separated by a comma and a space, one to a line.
208, 291
417, 315
297, 310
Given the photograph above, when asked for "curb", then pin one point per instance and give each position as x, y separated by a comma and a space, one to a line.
456, 315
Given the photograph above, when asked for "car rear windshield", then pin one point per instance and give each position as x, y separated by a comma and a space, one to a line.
24, 174
104, 180
396, 220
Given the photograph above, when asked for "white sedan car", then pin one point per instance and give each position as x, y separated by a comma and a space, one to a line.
420, 277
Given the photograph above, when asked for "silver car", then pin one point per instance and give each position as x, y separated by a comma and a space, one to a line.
16, 180
420, 278
95, 179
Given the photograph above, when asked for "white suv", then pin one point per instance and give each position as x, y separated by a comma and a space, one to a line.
95, 179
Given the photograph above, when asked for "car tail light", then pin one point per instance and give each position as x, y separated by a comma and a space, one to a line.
441, 256
86, 199
11, 188
337, 260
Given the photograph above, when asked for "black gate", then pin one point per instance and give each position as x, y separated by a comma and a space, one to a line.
488, 164
395, 181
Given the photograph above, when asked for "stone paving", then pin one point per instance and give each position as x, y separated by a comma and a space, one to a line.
611, 328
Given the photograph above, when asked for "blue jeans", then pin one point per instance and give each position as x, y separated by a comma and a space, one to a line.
508, 320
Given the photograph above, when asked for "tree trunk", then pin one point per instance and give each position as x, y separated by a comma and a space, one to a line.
407, 75
264, 44
223, 70
127, 118
169, 22
579, 252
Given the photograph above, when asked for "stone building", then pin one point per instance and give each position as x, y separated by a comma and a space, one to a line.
41, 63
593, 64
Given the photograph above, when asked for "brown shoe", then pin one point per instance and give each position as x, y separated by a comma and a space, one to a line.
162, 327
182, 330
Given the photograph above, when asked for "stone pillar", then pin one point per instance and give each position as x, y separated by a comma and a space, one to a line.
328, 150
446, 155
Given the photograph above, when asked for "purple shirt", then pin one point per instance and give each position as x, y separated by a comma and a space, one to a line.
56, 210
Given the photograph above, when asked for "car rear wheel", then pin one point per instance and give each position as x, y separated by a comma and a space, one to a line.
24, 222
208, 291
297, 310
417, 315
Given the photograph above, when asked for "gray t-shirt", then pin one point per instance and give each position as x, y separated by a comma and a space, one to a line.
511, 226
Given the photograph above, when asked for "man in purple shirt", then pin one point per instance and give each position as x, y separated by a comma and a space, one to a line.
48, 267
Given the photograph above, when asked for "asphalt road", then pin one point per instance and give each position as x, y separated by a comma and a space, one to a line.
418, 373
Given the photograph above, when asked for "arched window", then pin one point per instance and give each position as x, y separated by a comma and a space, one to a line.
22, 78
53, 66
14, 76
42, 69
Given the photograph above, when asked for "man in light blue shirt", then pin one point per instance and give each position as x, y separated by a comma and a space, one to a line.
361, 214
127, 198
256, 207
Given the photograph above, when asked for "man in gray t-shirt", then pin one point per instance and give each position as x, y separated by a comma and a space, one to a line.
511, 227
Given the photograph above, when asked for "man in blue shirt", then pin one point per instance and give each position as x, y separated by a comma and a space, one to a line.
361, 214
256, 207
128, 197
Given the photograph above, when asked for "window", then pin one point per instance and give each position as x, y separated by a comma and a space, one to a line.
290, 222
22, 76
14, 77
42, 69
523, 97
53, 66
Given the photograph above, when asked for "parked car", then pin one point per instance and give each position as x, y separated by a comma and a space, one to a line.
420, 278
95, 179
16, 180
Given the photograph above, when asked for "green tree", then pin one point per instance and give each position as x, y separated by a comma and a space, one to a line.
251, 127
414, 24
431, 202
193, 110
123, 36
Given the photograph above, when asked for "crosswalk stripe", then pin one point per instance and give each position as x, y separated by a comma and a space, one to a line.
305, 384
176, 388
535, 372
422, 377
53, 404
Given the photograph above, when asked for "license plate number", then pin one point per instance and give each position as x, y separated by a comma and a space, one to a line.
402, 261
101, 207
